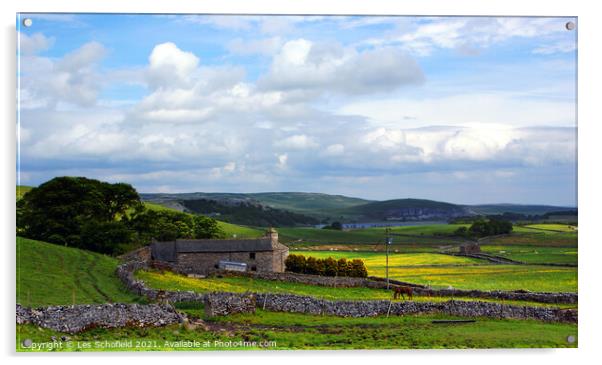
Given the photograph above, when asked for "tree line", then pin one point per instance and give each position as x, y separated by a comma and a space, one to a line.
102, 217
484, 228
325, 267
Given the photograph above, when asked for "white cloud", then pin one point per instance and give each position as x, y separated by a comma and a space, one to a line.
335, 150
297, 142
33, 44
464, 109
170, 67
73, 79
560, 47
469, 32
330, 67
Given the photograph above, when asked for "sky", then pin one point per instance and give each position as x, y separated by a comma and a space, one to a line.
467, 110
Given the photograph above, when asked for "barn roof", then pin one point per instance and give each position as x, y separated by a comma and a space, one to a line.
167, 251
260, 244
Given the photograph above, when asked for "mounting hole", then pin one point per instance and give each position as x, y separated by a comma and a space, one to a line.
27, 22
570, 339
569, 26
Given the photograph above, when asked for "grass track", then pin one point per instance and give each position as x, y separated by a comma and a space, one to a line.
298, 331
49, 274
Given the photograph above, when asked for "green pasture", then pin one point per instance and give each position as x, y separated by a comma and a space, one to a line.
488, 277
535, 254
21, 190
49, 274
376, 259
171, 281
443, 271
410, 234
553, 227
291, 331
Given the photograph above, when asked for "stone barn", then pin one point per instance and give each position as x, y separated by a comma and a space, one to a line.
470, 248
200, 256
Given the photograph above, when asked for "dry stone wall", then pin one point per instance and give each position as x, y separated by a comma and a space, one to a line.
222, 304
370, 308
226, 303
73, 319
380, 283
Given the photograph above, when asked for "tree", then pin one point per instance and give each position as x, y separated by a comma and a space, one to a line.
342, 267
105, 237
205, 227
358, 269
311, 266
335, 225
57, 210
330, 267
295, 263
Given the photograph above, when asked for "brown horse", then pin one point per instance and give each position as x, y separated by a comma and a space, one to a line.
400, 291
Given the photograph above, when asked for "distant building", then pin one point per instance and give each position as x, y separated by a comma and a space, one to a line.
200, 256
470, 248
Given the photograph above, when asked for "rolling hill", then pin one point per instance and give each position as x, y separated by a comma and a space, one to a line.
49, 274
485, 209
404, 210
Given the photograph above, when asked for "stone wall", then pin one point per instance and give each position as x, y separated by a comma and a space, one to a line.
222, 304
73, 319
370, 308
225, 303
380, 283
205, 262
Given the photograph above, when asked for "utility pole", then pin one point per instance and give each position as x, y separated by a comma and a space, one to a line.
388, 241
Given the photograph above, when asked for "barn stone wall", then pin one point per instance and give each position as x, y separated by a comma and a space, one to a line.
206, 262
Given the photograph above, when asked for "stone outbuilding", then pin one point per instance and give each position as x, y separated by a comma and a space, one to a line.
200, 256
470, 248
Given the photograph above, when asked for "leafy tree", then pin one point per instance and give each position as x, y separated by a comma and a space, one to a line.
205, 227
104, 237
342, 267
358, 269
335, 225
330, 267
57, 210
102, 217
311, 266
295, 263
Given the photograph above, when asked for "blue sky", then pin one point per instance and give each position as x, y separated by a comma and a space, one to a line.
465, 110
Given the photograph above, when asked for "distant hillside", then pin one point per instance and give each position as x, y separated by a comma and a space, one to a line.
404, 210
488, 209
247, 213
304, 203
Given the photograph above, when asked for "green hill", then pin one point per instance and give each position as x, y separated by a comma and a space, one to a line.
313, 204
22, 189
402, 209
485, 209
49, 274
231, 230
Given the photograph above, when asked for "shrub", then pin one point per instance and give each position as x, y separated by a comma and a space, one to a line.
326, 267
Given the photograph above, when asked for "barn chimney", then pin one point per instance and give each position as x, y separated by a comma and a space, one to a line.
272, 234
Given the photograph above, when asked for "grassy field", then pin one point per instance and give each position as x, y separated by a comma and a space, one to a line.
488, 277
48, 274
171, 281
535, 254
553, 227
377, 259
282, 331
443, 271
21, 190
408, 234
